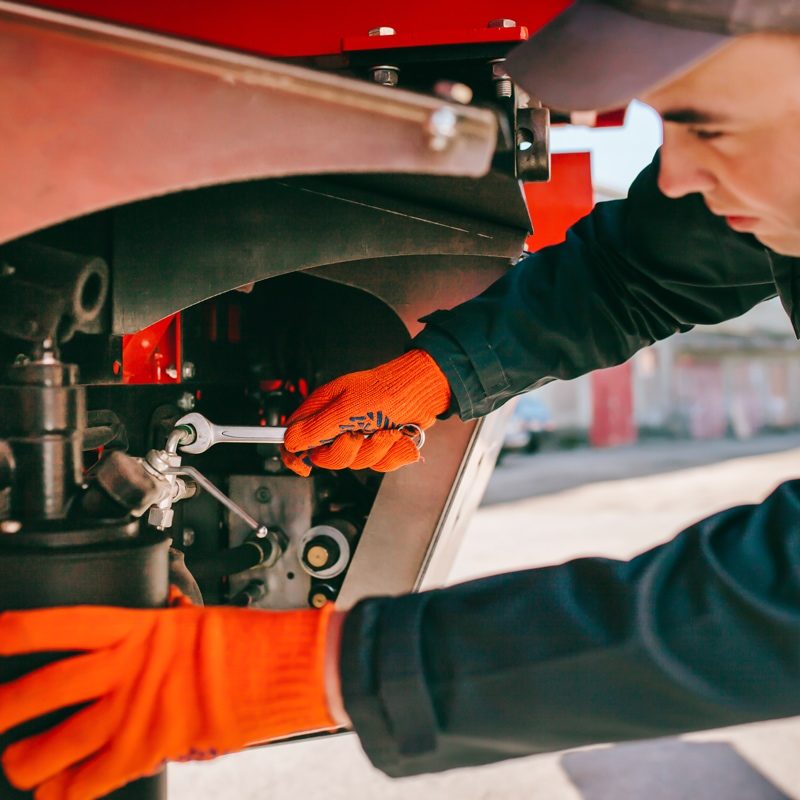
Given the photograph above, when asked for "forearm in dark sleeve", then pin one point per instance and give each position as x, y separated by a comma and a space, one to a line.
632, 272
701, 632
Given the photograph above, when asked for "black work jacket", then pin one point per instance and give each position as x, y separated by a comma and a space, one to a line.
701, 632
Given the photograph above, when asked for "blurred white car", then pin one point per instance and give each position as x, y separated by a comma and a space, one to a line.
529, 425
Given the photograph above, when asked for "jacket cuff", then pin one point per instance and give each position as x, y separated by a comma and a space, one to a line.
390, 707
467, 360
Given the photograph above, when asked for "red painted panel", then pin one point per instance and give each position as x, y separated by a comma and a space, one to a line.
153, 355
435, 37
315, 27
557, 205
612, 407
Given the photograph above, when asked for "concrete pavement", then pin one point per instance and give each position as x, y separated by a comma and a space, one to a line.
616, 518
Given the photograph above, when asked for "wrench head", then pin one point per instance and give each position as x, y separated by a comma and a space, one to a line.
204, 433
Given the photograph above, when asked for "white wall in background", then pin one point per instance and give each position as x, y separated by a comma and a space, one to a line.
618, 154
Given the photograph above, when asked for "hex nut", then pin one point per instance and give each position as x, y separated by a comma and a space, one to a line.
385, 76
160, 517
186, 402
499, 71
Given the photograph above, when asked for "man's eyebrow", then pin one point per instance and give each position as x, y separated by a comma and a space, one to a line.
692, 116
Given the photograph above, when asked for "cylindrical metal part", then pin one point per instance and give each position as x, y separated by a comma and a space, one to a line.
250, 595
48, 293
325, 550
321, 594
43, 420
132, 573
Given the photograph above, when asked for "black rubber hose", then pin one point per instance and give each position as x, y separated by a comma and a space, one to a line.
229, 562
105, 429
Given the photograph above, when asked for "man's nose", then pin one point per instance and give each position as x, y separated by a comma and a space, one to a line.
683, 169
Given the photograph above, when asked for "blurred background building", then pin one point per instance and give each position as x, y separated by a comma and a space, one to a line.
739, 378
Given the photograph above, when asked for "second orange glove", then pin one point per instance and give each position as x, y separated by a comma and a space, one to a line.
353, 421
167, 684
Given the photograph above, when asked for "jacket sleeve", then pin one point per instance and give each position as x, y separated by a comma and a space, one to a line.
632, 272
698, 633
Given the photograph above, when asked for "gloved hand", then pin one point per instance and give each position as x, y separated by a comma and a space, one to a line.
353, 421
168, 684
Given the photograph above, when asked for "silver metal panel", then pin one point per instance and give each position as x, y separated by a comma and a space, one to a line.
421, 511
97, 115
290, 507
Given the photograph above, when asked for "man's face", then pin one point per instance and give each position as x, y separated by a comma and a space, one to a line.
732, 133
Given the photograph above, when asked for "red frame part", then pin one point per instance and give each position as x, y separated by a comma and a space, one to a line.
557, 205
318, 27
154, 355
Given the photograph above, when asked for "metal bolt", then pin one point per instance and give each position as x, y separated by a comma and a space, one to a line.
188, 370
186, 402
453, 91
273, 464
188, 537
385, 75
502, 23
6, 270
441, 129
318, 600
160, 518
503, 85
263, 495
10, 526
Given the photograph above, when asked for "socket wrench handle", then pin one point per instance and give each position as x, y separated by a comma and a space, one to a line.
205, 434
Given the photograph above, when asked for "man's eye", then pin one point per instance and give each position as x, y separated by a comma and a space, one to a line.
701, 133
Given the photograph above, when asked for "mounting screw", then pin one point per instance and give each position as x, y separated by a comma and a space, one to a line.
188, 370
186, 402
188, 537
384, 30
263, 495
441, 129
503, 85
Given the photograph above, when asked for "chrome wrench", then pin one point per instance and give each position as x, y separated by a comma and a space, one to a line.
200, 434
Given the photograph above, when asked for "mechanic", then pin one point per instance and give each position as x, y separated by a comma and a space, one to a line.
701, 632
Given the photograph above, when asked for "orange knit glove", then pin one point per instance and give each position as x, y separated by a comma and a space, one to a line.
167, 684
353, 421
